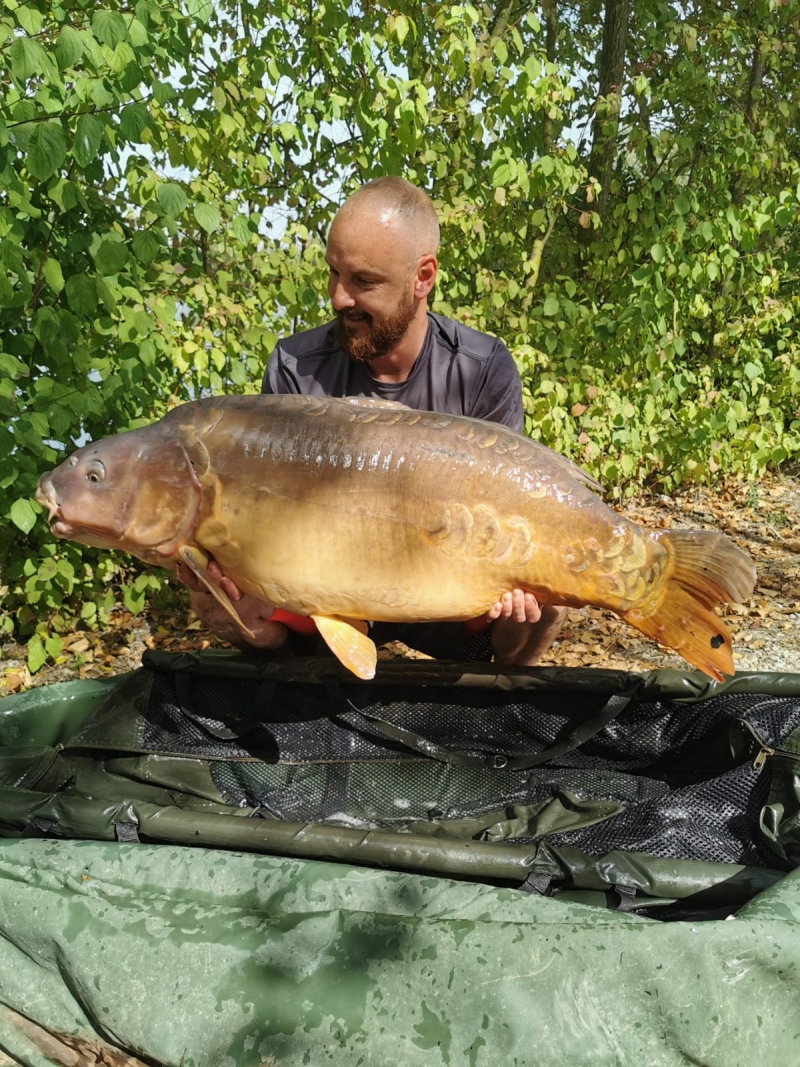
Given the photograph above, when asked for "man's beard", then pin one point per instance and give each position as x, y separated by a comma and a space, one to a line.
382, 335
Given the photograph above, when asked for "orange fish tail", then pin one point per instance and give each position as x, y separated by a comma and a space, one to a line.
705, 569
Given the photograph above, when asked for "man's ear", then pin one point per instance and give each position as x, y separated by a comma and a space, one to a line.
425, 279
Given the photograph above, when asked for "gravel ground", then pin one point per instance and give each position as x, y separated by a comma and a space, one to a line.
763, 518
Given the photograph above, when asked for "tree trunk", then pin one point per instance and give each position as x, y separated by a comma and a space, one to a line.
609, 101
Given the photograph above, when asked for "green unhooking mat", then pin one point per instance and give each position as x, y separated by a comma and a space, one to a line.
224, 861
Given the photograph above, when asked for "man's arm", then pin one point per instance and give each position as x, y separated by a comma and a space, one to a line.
277, 378
500, 396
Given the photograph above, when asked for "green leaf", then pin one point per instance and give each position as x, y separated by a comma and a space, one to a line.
30, 20
207, 216
682, 204
123, 57
88, 137
111, 257
502, 174
105, 294
240, 228
23, 515
46, 325
27, 58
172, 199
11, 367
550, 306
145, 246
238, 373
36, 654
53, 274
47, 150
133, 120
54, 646
783, 216
658, 253
137, 34
68, 48
163, 92
81, 295
64, 194
401, 28
133, 599
109, 27
201, 10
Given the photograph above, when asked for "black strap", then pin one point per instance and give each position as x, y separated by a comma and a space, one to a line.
613, 707
240, 720
368, 723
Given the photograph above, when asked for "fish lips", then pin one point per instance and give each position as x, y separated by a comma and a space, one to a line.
46, 496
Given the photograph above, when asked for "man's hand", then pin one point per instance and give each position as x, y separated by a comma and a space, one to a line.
516, 605
254, 613
523, 630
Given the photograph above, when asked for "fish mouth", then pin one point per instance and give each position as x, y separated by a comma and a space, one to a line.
46, 496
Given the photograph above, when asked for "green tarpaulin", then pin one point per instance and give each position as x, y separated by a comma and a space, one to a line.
202, 951
192, 957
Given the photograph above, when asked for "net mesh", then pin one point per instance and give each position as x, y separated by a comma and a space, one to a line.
679, 787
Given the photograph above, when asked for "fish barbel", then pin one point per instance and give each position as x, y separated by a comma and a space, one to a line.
353, 509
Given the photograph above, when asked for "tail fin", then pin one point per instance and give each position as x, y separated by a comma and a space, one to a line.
706, 569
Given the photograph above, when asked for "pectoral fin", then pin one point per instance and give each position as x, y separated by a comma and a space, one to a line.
197, 562
347, 639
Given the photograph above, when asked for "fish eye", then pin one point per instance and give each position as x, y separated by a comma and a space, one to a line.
95, 472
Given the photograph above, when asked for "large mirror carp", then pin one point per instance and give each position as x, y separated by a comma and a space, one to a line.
346, 510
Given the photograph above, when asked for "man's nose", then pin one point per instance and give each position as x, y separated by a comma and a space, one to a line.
339, 295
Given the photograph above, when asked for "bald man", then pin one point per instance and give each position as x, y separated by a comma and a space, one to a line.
384, 342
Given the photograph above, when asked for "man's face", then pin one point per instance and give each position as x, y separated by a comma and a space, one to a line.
371, 284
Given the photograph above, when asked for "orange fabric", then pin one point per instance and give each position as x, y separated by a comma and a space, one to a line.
300, 624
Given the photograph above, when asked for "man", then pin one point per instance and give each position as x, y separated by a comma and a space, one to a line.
384, 342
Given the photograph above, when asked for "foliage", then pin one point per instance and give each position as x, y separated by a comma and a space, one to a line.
168, 172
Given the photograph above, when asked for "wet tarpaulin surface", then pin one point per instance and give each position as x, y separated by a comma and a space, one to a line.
123, 943
195, 957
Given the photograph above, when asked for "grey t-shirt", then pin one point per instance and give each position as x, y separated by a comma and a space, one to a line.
458, 371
